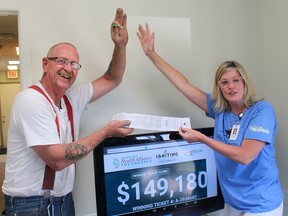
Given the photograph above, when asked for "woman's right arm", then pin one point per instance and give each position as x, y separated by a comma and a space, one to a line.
194, 94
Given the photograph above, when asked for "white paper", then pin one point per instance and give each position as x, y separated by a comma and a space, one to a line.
153, 122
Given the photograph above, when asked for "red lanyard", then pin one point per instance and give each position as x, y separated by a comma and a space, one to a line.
49, 176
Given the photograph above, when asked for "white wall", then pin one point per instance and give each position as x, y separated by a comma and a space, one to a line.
220, 30
274, 31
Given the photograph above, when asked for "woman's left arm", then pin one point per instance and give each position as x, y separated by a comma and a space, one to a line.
243, 154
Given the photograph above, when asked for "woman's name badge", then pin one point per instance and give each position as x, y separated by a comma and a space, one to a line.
234, 132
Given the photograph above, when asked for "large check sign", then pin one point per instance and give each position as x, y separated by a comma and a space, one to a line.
156, 176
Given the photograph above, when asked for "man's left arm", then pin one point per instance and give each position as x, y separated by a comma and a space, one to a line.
113, 76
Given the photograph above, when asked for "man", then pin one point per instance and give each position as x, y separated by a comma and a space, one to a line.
44, 129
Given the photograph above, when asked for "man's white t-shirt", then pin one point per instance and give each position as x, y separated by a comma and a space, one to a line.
32, 123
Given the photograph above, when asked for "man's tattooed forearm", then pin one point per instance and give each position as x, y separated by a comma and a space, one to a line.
75, 151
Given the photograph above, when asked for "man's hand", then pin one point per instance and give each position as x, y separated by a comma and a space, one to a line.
118, 30
118, 128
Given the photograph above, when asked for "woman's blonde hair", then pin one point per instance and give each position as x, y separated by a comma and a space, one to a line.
220, 103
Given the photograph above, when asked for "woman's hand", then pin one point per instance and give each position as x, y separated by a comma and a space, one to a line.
146, 38
190, 135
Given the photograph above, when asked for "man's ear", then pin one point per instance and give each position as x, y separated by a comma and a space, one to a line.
44, 64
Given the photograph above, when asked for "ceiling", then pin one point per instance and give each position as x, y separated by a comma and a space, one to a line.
8, 39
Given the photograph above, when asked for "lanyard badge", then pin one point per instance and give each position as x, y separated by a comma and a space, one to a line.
234, 132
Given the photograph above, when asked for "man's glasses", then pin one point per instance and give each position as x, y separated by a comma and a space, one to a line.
225, 83
63, 62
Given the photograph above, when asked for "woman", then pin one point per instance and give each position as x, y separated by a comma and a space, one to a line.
244, 134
